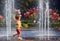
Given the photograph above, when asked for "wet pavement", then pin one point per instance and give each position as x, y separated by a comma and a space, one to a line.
25, 39
30, 35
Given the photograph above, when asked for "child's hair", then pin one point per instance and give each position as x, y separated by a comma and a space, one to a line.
17, 17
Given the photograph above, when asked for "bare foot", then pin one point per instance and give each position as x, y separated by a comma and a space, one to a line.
14, 35
20, 38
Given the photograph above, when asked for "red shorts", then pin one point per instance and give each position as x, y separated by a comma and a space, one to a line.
18, 31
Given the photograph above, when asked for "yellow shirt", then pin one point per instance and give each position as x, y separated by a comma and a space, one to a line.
18, 23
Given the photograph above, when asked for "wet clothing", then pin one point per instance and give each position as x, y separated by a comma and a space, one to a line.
18, 26
18, 23
18, 31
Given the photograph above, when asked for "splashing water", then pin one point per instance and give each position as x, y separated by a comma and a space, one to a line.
44, 18
41, 17
9, 5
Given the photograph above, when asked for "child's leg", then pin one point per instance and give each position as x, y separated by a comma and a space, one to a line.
14, 35
18, 33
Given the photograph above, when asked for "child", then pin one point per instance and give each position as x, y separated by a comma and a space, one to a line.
18, 26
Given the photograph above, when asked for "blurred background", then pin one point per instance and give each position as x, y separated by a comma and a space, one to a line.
30, 16
29, 11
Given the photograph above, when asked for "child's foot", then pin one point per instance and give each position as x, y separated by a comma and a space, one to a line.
14, 35
19, 38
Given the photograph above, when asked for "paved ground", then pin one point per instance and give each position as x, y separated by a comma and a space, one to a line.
25, 39
28, 34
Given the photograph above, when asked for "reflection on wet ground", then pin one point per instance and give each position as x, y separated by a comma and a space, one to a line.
30, 35
26, 39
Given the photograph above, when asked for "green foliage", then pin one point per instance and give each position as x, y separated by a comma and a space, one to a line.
2, 23
25, 25
55, 25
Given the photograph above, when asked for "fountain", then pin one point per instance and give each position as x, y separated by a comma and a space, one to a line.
44, 18
41, 17
9, 5
42, 33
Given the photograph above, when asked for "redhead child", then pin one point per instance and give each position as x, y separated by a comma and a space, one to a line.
18, 26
